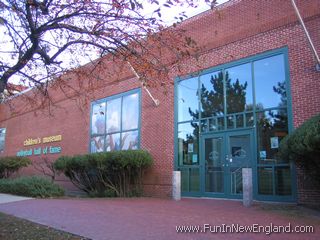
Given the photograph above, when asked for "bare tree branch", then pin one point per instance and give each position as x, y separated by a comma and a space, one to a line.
44, 38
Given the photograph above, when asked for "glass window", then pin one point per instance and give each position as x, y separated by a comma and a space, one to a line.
270, 88
185, 180
115, 123
283, 180
188, 143
130, 140
274, 182
194, 180
212, 103
113, 142
98, 118
265, 180
113, 115
97, 144
238, 82
214, 171
236, 96
188, 99
130, 111
190, 179
2, 139
272, 128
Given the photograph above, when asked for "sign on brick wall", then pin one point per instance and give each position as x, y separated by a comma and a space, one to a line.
40, 150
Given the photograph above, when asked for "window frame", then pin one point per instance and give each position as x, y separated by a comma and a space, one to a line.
262, 55
222, 67
4, 140
105, 134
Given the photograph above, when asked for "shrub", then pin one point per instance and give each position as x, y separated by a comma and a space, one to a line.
117, 173
303, 147
9, 165
31, 187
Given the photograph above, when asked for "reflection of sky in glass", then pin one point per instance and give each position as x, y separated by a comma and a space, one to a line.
268, 73
113, 115
205, 80
113, 142
130, 140
185, 129
187, 98
115, 119
272, 116
130, 112
98, 118
243, 74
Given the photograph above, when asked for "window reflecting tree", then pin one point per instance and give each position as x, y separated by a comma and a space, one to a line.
281, 117
212, 97
273, 127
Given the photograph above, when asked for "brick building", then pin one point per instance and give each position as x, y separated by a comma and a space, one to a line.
254, 81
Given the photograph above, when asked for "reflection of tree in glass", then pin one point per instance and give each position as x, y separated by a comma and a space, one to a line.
273, 123
236, 95
127, 142
113, 142
281, 117
212, 100
98, 144
277, 118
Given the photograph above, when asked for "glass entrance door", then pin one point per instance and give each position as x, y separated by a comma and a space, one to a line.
224, 156
214, 164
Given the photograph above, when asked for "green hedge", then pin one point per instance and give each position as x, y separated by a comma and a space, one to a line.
9, 165
31, 187
303, 147
116, 174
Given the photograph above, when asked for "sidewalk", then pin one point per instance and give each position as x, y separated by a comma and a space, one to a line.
7, 198
150, 218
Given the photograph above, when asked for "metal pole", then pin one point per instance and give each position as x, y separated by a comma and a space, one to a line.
306, 31
155, 101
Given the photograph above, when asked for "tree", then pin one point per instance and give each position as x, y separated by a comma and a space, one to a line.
42, 39
303, 147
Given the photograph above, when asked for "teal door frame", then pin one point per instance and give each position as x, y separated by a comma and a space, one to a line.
226, 162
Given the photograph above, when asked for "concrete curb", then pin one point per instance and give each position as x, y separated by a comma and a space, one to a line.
7, 198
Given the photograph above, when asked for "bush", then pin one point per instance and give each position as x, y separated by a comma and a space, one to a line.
117, 173
303, 147
9, 165
31, 187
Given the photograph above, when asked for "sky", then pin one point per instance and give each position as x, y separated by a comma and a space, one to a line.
168, 15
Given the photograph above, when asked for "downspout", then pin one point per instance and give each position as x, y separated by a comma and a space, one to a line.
307, 34
155, 101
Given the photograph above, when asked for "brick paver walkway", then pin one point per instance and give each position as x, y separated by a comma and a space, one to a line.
148, 218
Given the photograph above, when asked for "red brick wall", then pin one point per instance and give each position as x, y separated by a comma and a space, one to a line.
237, 30
247, 28
308, 189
